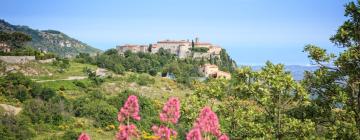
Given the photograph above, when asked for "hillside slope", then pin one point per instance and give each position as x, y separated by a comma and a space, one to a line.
50, 40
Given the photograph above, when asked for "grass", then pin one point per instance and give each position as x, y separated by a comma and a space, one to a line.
160, 90
75, 69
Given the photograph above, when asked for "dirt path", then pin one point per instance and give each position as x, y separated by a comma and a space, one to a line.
69, 78
11, 109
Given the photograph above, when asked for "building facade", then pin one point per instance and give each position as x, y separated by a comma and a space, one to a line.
181, 48
4, 47
210, 70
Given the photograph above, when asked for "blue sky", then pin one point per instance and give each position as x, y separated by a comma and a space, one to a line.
252, 31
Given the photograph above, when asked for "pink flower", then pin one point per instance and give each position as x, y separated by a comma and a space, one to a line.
223, 137
130, 109
208, 122
171, 111
164, 133
84, 136
126, 132
194, 134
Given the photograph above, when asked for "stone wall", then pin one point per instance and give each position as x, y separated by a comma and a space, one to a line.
17, 59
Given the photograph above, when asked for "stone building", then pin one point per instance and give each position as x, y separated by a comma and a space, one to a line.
180, 48
210, 70
4, 47
133, 48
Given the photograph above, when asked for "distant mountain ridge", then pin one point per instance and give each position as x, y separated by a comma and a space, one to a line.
297, 71
51, 40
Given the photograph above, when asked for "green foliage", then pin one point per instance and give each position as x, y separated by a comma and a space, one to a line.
79, 84
71, 135
141, 79
335, 85
16, 85
162, 61
15, 127
149, 109
226, 63
244, 119
50, 112
14, 39
276, 92
95, 106
62, 63
199, 49
97, 80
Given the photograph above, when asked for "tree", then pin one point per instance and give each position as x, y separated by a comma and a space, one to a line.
15, 39
276, 92
150, 48
338, 85
192, 45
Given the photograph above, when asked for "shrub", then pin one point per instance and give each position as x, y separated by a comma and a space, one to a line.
79, 84
141, 79
148, 109
13, 127
94, 106
40, 111
71, 135
199, 49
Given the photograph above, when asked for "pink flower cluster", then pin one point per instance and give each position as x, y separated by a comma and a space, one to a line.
171, 111
207, 123
130, 109
84, 136
194, 134
126, 132
171, 114
223, 137
164, 133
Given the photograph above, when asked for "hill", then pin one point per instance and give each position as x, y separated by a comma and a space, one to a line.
50, 40
297, 71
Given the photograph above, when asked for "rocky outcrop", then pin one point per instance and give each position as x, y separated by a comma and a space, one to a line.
9, 109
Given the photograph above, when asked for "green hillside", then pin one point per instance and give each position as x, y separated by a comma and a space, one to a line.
50, 40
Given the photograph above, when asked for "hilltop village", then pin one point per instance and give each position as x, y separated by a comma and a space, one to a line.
183, 49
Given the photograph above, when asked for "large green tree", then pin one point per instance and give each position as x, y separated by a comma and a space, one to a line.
336, 85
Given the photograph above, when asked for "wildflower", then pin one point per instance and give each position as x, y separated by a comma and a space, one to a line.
171, 111
208, 122
84, 136
223, 137
130, 109
164, 133
194, 134
126, 132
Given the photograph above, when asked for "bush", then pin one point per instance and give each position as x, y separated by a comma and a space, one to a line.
40, 111
94, 106
103, 113
71, 135
199, 49
16, 85
14, 128
141, 79
79, 84
149, 109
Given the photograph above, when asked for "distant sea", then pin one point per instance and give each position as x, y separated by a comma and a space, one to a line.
296, 70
